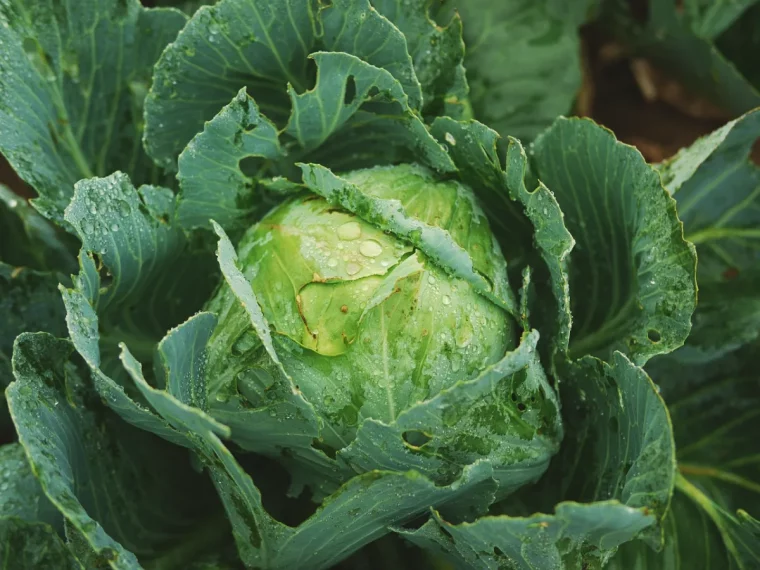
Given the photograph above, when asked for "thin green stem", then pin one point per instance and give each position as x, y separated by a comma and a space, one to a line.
708, 234
700, 471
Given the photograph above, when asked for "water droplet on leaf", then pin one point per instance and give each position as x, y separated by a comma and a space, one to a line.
349, 231
122, 208
370, 248
353, 268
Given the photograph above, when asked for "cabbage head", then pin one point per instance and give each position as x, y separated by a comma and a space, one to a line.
368, 324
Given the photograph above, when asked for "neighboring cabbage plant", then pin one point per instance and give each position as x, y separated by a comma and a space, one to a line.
338, 316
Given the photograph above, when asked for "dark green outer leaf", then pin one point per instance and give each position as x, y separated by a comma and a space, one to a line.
717, 188
263, 46
508, 416
220, 166
365, 509
388, 134
715, 407
119, 487
527, 223
632, 275
20, 493
522, 60
319, 112
28, 240
28, 302
147, 257
437, 53
157, 280
576, 537
224, 47
33, 546
356, 28
622, 432
59, 60
610, 483
213, 184
690, 542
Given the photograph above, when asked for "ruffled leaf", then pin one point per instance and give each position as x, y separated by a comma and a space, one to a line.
28, 302
529, 223
356, 115
523, 61
75, 75
265, 47
714, 406
22, 496
153, 278
123, 490
632, 274
610, 483
437, 52
717, 188
507, 416
33, 546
